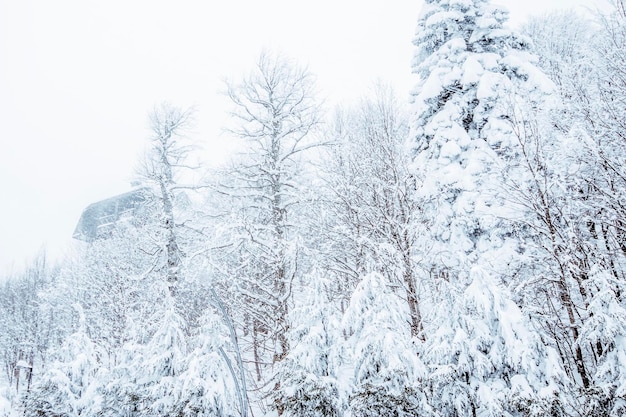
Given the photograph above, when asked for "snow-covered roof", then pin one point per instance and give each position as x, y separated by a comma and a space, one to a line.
101, 217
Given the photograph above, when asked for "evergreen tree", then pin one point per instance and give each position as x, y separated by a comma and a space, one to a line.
173, 374
208, 386
67, 388
473, 74
467, 65
386, 367
308, 384
484, 356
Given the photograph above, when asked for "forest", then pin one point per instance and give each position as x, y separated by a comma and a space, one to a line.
460, 254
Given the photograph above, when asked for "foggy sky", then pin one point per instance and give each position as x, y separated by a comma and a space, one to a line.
77, 78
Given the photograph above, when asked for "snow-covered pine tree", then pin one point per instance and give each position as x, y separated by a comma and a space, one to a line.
473, 72
484, 357
148, 371
381, 352
307, 376
67, 388
174, 374
467, 65
208, 387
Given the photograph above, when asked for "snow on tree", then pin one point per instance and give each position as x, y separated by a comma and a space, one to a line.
562, 42
574, 291
152, 373
370, 208
473, 74
161, 168
67, 387
208, 385
145, 379
605, 329
485, 358
387, 370
173, 374
108, 278
150, 338
274, 115
467, 63
579, 181
308, 384
30, 331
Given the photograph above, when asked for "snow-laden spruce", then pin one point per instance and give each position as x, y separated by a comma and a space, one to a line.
173, 373
482, 354
306, 381
387, 372
68, 386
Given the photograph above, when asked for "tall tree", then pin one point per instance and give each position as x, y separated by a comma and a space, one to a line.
473, 73
166, 157
274, 113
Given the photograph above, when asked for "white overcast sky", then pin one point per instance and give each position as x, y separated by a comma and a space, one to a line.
77, 78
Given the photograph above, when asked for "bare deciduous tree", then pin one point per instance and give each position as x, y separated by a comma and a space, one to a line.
274, 113
167, 154
371, 201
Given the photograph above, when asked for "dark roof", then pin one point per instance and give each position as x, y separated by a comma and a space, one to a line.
99, 218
